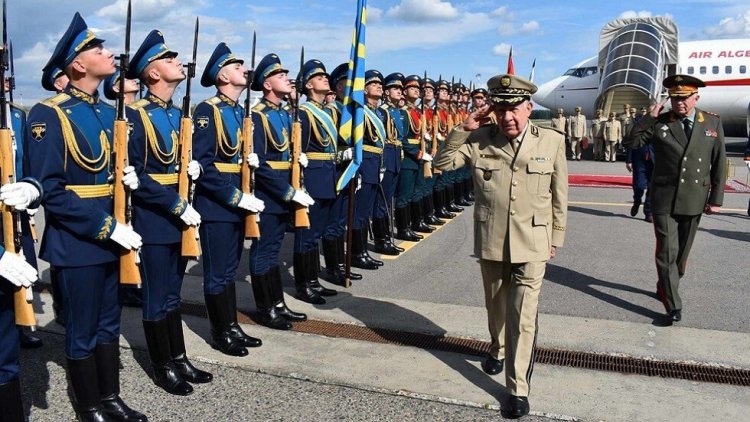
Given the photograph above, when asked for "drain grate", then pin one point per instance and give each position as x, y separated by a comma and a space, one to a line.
575, 359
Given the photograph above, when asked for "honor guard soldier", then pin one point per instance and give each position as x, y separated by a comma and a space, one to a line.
521, 211
319, 137
369, 171
612, 135
70, 139
576, 131
412, 182
445, 178
273, 186
688, 179
335, 233
160, 213
217, 145
428, 204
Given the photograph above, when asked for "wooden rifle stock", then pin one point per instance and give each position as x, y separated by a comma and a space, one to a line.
427, 165
301, 219
435, 133
11, 237
129, 273
251, 219
190, 246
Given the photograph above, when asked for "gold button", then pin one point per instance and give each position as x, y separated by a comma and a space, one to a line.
515, 168
696, 180
512, 212
515, 183
700, 159
682, 180
699, 170
513, 198
684, 158
684, 169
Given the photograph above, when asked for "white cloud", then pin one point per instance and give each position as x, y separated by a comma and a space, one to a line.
500, 11
731, 27
424, 35
424, 11
629, 14
502, 49
505, 29
529, 27
374, 14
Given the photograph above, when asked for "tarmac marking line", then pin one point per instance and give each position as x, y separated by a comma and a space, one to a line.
628, 204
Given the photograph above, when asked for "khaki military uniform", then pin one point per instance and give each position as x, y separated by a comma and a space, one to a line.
612, 134
519, 214
560, 124
576, 131
688, 173
597, 130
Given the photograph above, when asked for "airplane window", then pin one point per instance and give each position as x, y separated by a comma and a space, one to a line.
690, 70
743, 69
728, 70
590, 71
703, 70
715, 70
577, 72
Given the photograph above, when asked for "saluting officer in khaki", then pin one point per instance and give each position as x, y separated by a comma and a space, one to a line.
576, 131
688, 179
612, 134
521, 185
597, 128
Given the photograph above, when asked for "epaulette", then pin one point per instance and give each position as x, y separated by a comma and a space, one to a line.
710, 113
213, 100
552, 129
259, 107
143, 102
56, 100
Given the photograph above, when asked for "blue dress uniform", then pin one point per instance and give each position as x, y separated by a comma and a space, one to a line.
413, 163
271, 141
217, 145
319, 137
69, 146
369, 172
642, 162
157, 206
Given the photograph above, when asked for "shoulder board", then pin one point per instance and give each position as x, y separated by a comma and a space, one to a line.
259, 107
543, 128
384, 106
710, 113
143, 102
213, 100
56, 100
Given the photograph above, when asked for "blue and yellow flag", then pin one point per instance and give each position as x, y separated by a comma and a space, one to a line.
352, 123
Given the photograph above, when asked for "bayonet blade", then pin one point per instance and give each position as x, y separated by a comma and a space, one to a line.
252, 62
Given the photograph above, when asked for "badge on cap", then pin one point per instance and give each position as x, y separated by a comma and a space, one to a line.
505, 81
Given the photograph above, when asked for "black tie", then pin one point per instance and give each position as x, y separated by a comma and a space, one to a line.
686, 124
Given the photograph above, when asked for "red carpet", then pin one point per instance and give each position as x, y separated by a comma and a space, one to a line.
618, 181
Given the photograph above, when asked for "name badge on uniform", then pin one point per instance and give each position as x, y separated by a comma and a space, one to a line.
539, 159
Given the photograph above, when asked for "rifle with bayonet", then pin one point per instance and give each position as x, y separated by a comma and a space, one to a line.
129, 273
247, 174
12, 236
301, 219
435, 125
190, 246
426, 166
451, 92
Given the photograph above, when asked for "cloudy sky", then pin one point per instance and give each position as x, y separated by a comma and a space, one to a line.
467, 39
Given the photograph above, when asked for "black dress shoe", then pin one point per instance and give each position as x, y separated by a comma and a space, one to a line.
117, 410
305, 293
288, 314
634, 209
675, 315
27, 340
272, 319
649, 218
515, 408
323, 291
492, 366
189, 372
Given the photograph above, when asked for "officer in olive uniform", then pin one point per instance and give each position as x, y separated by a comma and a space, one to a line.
688, 179
519, 221
70, 139
612, 135
576, 131
217, 146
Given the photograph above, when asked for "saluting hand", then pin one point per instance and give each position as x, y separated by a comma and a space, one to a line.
655, 109
477, 118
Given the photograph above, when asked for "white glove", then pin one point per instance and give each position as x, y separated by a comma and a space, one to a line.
382, 175
252, 160
748, 165
427, 157
194, 170
347, 154
32, 211
190, 216
129, 178
15, 269
251, 203
18, 195
303, 159
302, 198
359, 184
126, 237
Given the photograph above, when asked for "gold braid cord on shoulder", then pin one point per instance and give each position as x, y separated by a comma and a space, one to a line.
166, 158
92, 165
224, 144
269, 135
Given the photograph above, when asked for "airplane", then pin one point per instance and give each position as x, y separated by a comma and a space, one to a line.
724, 65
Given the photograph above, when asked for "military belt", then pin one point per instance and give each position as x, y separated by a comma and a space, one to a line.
321, 156
372, 149
165, 178
394, 142
412, 141
280, 165
228, 168
91, 191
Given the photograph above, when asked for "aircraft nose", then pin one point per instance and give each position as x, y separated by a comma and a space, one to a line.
543, 95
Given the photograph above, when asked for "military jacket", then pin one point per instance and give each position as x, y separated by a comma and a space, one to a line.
412, 151
577, 126
597, 127
521, 199
153, 150
319, 138
393, 119
688, 173
612, 131
560, 123
68, 151
372, 147
271, 141
217, 145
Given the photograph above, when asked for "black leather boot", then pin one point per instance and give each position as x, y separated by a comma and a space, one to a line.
312, 274
458, 188
332, 274
469, 189
429, 212
359, 258
417, 218
131, 296
381, 236
267, 314
305, 292
438, 198
107, 357
235, 331
85, 385
177, 347
341, 257
279, 305
450, 203
28, 340
11, 407
164, 373
365, 249
217, 308
403, 229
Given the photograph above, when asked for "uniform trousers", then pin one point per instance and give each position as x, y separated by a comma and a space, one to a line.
511, 293
91, 305
264, 252
221, 248
339, 215
610, 151
383, 201
641, 181
674, 238
8, 334
365, 201
575, 147
598, 148
322, 215
407, 180
162, 271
